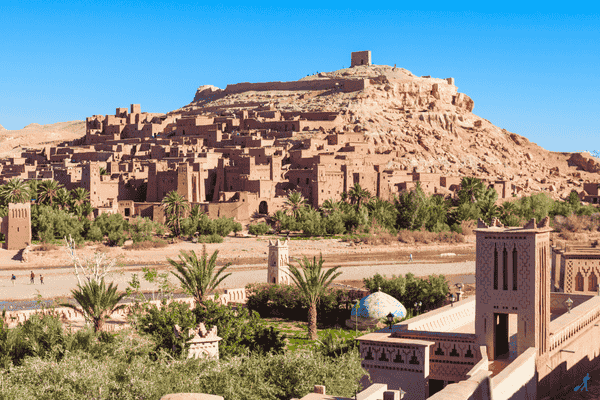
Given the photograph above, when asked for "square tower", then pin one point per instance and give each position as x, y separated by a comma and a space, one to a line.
278, 270
16, 226
360, 58
513, 280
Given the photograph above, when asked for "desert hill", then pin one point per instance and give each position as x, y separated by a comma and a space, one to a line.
35, 135
425, 120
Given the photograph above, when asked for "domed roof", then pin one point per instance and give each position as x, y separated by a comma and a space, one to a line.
378, 305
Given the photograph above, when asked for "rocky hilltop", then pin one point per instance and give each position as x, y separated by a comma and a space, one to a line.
426, 121
34, 135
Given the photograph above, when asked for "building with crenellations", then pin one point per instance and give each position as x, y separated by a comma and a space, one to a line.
518, 338
232, 161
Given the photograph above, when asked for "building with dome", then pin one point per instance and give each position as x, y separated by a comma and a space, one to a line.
372, 309
516, 339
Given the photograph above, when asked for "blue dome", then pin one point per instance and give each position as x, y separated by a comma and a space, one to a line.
378, 305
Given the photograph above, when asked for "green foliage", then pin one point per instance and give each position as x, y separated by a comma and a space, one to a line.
259, 229
242, 330
14, 191
409, 290
48, 224
199, 276
175, 206
160, 321
214, 238
96, 301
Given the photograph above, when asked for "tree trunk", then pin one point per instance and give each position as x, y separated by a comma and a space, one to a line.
98, 325
312, 321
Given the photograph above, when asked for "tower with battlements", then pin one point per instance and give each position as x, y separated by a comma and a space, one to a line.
278, 270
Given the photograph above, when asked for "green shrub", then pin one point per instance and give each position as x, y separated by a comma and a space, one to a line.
94, 234
159, 322
258, 229
214, 238
431, 292
242, 330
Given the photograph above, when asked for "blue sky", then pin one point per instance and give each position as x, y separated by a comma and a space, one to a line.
530, 68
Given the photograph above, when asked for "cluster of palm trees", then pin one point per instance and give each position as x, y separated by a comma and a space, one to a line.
46, 192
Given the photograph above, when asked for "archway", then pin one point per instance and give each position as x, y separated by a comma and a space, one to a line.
263, 208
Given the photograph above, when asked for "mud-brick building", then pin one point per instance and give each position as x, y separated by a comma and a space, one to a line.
516, 339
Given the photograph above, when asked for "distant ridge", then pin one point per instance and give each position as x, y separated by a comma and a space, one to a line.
2, 128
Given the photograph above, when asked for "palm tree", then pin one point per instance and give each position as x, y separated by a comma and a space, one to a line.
175, 206
295, 202
277, 219
34, 186
329, 206
63, 198
358, 195
47, 190
96, 301
14, 191
198, 276
470, 190
312, 281
80, 196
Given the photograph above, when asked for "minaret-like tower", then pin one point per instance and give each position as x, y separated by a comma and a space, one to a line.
278, 270
513, 282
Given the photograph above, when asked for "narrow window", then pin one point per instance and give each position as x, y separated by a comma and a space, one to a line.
592, 282
495, 268
514, 268
579, 282
505, 269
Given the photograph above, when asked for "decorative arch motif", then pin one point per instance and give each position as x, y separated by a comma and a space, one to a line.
592, 282
579, 282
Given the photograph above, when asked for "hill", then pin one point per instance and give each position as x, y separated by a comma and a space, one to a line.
426, 121
36, 136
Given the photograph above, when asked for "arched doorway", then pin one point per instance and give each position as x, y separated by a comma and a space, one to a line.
263, 207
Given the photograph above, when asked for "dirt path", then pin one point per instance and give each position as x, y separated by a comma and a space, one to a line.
247, 255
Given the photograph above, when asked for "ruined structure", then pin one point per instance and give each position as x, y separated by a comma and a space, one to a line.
516, 340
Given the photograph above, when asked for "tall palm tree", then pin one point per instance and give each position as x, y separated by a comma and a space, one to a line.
471, 189
358, 195
80, 196
34, 185
63, 198
96, 301
295, 202
277, 219
47, 191
198, 276
175, 206
312, 281
329, 206
14, 191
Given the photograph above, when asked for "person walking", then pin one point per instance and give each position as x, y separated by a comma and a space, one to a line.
41, 279
410, 257
32, 278
13, 278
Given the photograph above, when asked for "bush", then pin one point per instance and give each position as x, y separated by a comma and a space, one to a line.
147, 244
214, 238
258, 229
94, 234
159, 322
286, 301
242, 330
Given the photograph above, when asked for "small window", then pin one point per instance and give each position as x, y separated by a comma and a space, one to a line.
127, 212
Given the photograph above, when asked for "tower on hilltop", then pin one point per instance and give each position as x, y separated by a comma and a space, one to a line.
360, 58
278, 270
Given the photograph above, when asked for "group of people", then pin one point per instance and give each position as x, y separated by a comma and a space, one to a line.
13, 278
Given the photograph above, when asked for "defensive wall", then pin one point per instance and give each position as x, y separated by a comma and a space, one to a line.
344, 85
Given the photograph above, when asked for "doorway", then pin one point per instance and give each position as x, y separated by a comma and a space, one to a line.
435, 385
501, 338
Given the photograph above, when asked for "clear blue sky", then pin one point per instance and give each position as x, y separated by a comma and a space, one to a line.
532, 69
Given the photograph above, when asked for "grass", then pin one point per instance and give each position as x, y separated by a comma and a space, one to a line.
297, 333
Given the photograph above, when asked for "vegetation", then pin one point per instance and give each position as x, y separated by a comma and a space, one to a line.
96, 301
199, 277
312, 281
430, 293
175, 206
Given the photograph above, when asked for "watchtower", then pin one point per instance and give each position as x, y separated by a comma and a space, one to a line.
278, 270
513, 287
360, 58
16, 226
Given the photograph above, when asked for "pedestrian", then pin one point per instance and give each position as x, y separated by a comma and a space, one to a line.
41, 279
13, 278
410, 257
32, 278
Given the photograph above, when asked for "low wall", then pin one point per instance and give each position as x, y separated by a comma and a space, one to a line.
557, 301
444, 319
574, 349
518, 380
346, 85
12, 318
